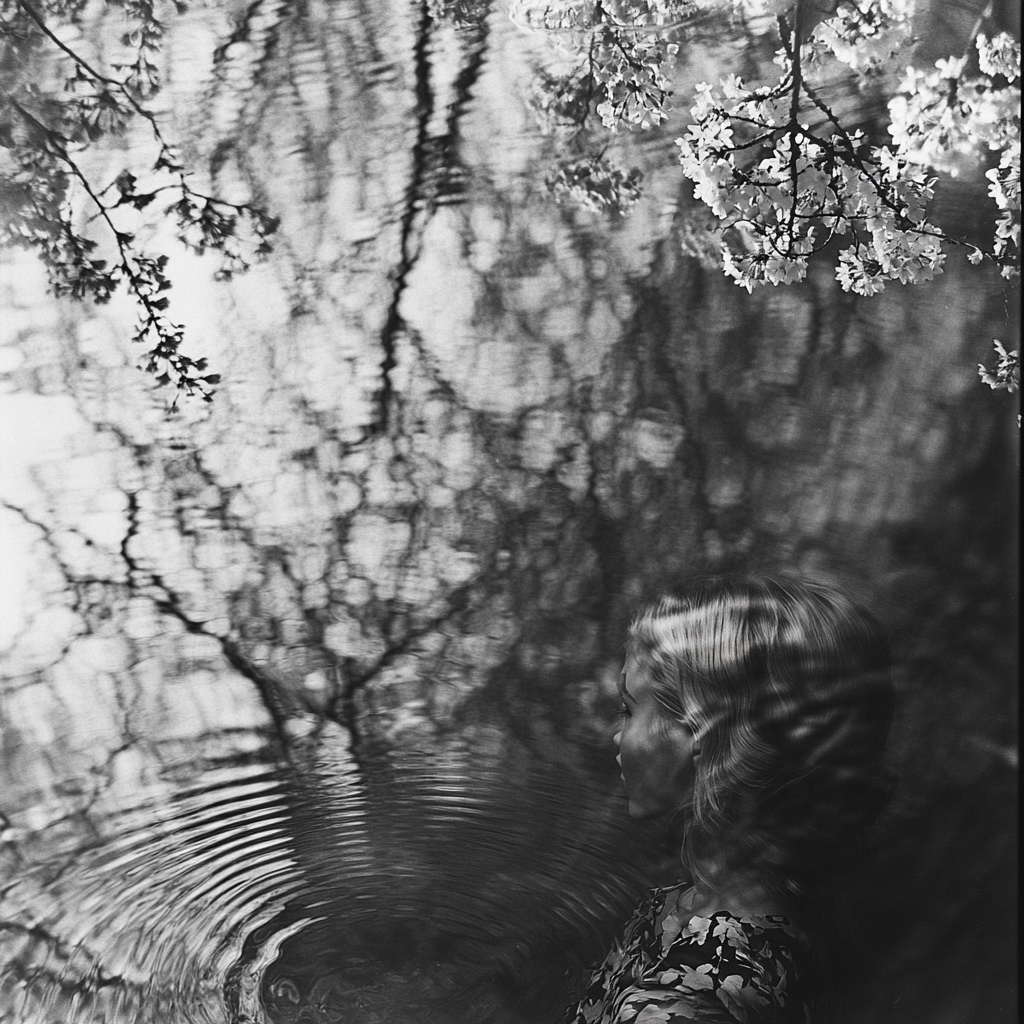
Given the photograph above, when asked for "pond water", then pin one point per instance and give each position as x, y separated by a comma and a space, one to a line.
308, 692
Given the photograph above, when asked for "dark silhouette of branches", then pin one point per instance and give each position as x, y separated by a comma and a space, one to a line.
47, 189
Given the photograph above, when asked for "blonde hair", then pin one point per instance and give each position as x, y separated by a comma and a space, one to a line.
786, 686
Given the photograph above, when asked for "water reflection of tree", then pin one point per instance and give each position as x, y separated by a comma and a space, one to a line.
576, 415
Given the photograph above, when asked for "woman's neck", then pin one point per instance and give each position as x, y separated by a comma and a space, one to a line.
739, 893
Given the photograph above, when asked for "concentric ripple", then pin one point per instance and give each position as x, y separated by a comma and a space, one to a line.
450, 885
453, 884
147, 923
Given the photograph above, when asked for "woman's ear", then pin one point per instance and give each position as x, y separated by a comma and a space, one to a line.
695, 742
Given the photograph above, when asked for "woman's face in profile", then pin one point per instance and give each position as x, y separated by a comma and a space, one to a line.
655, 749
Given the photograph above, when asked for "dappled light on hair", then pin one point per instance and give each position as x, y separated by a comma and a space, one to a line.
786, 685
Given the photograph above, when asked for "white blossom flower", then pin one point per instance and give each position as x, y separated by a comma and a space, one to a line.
1006, 376
864, 35
999, 56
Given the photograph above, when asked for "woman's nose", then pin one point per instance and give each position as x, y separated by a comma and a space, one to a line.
617, 738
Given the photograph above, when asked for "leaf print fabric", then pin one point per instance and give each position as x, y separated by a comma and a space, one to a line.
671, 968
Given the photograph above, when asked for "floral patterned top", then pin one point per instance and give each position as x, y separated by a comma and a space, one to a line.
672, 967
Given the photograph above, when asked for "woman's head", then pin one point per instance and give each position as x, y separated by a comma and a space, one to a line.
784, 689
656, 747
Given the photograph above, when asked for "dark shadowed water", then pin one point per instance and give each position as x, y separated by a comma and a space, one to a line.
307, 694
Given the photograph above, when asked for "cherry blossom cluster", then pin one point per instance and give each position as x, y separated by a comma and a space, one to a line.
945, 120
622, 53
776, 165
784, 174
864, 35
1005, 376
788, 189
630, 80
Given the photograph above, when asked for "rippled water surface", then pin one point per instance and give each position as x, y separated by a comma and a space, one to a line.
308, 693
403, 886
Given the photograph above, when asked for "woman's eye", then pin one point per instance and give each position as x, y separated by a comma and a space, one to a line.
622, 711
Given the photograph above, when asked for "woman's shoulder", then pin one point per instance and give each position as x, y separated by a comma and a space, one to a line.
718, 965
730, 933
748, 928
753, 963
